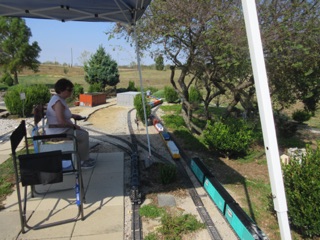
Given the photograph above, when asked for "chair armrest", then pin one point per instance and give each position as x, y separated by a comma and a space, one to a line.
80, 118
42, 137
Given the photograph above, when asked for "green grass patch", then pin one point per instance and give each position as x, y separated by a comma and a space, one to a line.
3, 87
158, 94
190, 142
173, 225
293, 141
151, 211
201, 123
175, 108
314, 121
7, 179
253, 156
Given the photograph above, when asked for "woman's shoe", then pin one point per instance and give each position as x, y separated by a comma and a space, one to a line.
90, 163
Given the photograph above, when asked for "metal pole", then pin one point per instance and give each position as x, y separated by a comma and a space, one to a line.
142, 92
266, 116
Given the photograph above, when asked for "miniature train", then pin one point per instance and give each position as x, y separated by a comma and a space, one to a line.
240, 222
171, 146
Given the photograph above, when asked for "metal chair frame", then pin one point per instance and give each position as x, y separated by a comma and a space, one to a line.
19, 135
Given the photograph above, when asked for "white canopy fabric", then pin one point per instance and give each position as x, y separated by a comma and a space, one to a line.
126, 11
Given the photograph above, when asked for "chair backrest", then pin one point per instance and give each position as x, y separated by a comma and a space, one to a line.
39, 113
41, 168
18, 135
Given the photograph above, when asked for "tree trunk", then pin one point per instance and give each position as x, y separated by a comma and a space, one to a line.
15, 78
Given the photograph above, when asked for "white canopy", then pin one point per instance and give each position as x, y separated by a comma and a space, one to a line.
127, 11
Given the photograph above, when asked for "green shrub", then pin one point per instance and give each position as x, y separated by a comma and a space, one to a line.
95, 87
77, 90
35, 94
301, 116
302, 185
194, 95
7, 79
139, 107
131, 86
170, 94
168, 173
231, 137
284, 127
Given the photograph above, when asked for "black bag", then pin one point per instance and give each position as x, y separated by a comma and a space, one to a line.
41, 168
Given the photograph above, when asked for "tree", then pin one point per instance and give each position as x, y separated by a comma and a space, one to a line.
210, 48
15, 51
159, 63
101, 69
290, 32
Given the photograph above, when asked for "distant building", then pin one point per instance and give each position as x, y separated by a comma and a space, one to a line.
126, 99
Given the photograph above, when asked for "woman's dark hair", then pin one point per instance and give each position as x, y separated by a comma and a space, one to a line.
63, 84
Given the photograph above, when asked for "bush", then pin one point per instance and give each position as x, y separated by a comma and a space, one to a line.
139, 107
131, 86
35, 94
194, 95
7, 79
302, 185
170, 94
231, 137
301, 116
95, 87
168, 173
77, 90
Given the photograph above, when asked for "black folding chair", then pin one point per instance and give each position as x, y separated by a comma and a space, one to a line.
41, 168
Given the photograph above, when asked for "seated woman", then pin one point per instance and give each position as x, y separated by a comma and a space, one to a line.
58, 113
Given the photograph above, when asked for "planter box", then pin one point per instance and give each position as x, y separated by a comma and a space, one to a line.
92, 99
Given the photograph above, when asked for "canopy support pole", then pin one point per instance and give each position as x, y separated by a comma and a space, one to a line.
142, 93
266, 116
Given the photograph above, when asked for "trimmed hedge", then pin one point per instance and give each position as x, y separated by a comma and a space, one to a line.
302, 185
229, 137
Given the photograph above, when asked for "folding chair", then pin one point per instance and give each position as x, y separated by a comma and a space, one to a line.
41, 168
44, 143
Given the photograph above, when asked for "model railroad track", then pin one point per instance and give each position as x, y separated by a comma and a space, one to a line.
135, 195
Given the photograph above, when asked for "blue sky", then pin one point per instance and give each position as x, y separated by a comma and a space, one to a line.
64, 42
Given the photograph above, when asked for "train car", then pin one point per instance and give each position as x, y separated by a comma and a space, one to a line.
218, 194
153, 101
173, 149
159, 127
165, 135
244, 227
199, 170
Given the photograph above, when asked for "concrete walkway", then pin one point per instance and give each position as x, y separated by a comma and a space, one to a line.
103, 210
